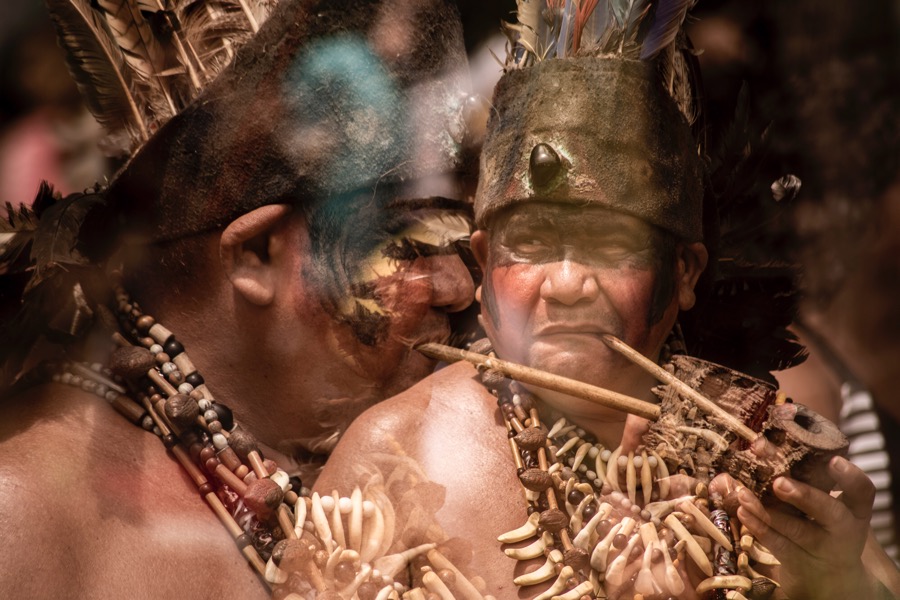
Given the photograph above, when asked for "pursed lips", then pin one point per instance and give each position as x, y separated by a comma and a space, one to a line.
570, 329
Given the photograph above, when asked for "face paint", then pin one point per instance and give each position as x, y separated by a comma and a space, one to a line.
402, 276
558, 276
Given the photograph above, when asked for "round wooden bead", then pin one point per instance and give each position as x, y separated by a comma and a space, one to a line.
243, 443
367, 591
225, 415
182, 410
144, 324
206, 488
169, 440
243, 541
344, 572
262, 497
553, 520
207, 453
131, 362
173, 347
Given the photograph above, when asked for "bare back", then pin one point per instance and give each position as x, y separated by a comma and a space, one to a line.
93, 507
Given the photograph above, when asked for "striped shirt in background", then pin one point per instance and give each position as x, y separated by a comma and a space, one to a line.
869, 450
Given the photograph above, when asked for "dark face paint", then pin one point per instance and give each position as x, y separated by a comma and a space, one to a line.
388, 276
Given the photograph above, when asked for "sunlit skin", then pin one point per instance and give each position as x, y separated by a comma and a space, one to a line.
559, 276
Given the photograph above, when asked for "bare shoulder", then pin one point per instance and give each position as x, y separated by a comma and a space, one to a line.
398, 426
90, 502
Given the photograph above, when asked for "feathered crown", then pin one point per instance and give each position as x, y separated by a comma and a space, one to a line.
138, 63
631, 29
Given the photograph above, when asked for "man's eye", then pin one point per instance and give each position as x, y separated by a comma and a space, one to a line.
530, 247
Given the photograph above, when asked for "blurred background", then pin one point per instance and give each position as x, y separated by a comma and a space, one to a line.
823, 77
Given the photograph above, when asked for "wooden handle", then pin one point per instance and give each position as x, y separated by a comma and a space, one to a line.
556, 383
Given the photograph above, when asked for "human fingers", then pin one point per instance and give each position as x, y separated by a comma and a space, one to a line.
829, 512
635, 428
858, 490
779, 530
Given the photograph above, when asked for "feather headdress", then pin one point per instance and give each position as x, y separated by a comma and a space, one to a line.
632, 29
139, 62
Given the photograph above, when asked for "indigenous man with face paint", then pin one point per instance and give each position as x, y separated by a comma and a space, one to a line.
267, 257
590, 223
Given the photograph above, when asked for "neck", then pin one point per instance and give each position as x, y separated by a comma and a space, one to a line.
250, 367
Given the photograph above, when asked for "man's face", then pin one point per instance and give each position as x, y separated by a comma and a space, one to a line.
400, 285
557, 276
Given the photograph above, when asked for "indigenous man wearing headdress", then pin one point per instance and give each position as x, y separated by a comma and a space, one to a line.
282, 234
592, 239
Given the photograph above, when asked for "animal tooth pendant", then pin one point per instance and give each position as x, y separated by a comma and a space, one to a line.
521, 533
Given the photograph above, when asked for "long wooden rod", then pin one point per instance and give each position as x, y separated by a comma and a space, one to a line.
548, 381
702, 402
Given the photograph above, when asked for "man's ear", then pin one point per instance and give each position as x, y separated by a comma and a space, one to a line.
479, 245
692, 259
244, 250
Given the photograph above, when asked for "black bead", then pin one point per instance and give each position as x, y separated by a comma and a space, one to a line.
296, 483
173, 347
195, 379
226, 418
169, 440
575, 497
544, 164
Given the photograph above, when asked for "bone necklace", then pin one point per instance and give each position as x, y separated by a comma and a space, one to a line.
607, 522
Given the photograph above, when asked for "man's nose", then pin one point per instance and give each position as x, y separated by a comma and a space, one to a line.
569, 283
452, 286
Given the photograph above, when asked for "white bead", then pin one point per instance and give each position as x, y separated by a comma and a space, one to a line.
156, 349
101, 390
368, 509
346, 505
204, 404
593, 452
66, 378
605, 454
638, 462
168, 368
111, 395
185, 388
219, 441
590, 475
327, 503
210, 415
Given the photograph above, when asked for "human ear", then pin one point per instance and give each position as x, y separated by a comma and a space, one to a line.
692, 259
479, 245
245, 252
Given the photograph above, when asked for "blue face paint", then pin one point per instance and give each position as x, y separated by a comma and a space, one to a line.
347, 107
